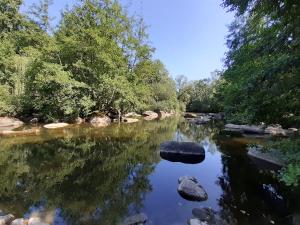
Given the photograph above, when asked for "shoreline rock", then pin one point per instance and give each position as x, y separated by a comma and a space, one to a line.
55, 125
271, 130
9, 123
100, 121
150, 115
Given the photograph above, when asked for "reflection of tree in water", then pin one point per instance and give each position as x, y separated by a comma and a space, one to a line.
100, 174
245, 201
207, 134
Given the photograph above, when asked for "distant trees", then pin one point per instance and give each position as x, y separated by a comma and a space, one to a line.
97, 59
199, 95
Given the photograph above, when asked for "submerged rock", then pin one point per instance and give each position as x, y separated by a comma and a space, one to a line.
135, 220
56, 125
190, 189
7, 219
185, 152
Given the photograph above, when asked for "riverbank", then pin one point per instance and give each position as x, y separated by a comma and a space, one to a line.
15, 127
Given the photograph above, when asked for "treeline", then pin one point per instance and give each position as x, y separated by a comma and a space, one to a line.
96, 60
261, 79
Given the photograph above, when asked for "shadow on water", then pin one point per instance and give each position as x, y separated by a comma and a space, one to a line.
84, 175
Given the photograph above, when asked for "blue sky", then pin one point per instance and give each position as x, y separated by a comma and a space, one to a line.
189, 35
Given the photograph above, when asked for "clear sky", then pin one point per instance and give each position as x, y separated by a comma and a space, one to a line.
189, 35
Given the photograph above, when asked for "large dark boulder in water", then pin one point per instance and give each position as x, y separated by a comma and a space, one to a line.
185, 152
191, 190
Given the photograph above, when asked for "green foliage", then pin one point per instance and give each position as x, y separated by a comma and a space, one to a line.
97, 59
6, 101
200, 95
262, 75
55, 94
289, 148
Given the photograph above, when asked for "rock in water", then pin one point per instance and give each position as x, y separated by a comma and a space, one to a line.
6, 220
191, 190
135, 220
185, 152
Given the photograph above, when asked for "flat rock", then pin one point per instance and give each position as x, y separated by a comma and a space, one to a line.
191, 190
56, 125
248, 129
7, 219
185, 152
135, 220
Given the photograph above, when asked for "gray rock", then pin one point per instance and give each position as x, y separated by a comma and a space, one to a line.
245, 129
189, 189
196, 222
185, 152
20, 221
135, 220
180, 179
6, 220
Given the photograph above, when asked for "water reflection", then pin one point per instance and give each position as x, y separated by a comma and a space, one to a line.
84, 175
95, 178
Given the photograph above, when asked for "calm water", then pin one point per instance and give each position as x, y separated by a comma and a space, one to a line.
85, 175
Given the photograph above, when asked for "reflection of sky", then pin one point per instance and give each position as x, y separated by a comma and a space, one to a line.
165, 204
